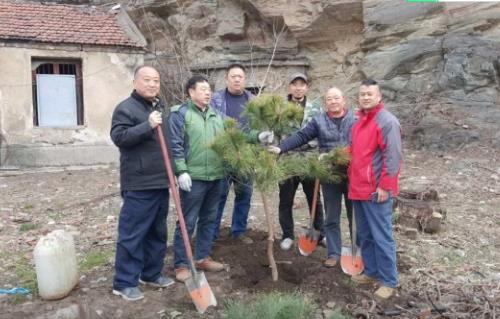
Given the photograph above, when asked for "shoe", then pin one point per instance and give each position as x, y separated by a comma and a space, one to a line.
286, 244
244, 239
385, 292
129, 293
363, 279
208, 264
160, 282
330, 262
182, 274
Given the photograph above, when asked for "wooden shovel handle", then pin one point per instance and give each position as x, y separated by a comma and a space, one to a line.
175, 194
314, 202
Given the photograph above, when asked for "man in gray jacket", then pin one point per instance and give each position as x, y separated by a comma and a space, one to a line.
332, 128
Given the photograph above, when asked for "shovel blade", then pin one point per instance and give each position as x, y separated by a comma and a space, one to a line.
200, 292
308, 241
351, 264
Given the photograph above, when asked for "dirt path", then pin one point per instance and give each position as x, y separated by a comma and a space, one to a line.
459, 267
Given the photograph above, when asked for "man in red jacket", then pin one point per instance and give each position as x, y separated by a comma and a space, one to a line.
373, 182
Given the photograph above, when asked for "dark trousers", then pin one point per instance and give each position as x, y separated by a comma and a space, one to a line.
142, 237
242, 197
199, 207
332, 194
287, 191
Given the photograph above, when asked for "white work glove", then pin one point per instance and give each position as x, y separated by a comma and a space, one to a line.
154, 119
184, 181
322, 155
274, 149
266, 137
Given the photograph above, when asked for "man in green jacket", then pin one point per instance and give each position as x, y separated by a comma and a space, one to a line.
192, 127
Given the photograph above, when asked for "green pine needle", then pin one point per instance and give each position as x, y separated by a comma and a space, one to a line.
244, 160
273, 112
331, 168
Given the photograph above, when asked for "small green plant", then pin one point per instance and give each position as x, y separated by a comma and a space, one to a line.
94, 259
395, 216
26, 274
337, 314
26, 278
271, 306
28, 206
348, 282
54, 216
27, 226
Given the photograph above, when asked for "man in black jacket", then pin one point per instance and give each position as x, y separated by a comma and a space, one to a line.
142, 231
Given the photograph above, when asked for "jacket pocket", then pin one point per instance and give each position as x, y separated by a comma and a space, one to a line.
151, 164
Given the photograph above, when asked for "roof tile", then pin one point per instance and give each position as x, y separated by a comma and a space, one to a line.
56, 23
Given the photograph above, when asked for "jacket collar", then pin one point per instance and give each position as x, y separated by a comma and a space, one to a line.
208, 111
147, 103
371, 112
301, 103
344, 113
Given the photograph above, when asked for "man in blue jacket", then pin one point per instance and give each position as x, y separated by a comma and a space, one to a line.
142, 231
230, 102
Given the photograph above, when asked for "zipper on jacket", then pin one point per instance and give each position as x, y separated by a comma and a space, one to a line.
369, 175
206, 145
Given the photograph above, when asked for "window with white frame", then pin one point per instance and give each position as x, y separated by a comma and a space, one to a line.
57, 92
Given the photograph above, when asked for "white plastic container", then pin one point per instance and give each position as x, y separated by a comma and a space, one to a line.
56, 267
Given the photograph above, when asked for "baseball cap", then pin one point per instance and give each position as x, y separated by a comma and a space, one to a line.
297, 75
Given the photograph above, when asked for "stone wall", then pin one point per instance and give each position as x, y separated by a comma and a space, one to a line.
107, 79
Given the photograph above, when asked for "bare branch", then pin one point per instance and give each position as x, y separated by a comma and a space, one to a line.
276, 41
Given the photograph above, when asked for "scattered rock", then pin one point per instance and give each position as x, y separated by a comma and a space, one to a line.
70, 312
21, 218
328, 313
331, 304
175, 314
101, 279
411, 233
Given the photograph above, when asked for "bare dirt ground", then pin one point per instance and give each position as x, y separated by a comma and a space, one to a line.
456, 270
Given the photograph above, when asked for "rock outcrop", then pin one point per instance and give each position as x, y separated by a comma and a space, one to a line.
438, 63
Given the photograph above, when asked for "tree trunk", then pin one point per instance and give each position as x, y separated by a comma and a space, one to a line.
420, 210
270, 238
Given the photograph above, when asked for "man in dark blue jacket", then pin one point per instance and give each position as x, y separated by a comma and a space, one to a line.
230, 102
332, 128
142, 231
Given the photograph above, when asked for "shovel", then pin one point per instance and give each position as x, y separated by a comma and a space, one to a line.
308, 240
351, 260
197, 284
